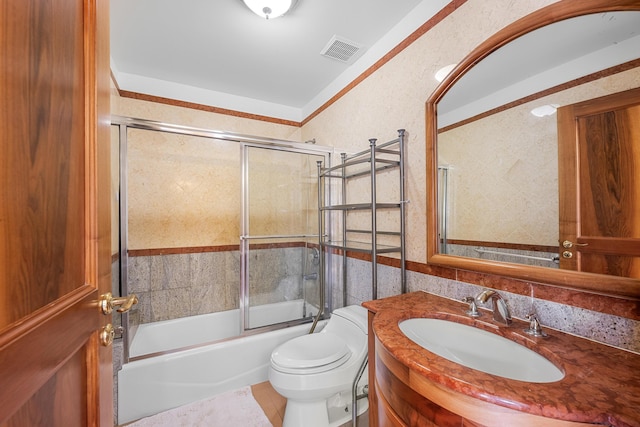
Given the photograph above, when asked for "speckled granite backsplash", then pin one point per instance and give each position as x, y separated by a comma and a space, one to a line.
605, 328
608, 329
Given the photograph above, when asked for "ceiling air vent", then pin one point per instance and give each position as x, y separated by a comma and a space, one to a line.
340, 49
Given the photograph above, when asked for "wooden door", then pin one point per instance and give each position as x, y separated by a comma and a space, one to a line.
599, 158
54, 213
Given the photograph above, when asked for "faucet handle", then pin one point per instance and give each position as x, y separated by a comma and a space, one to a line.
473, 306
534, 326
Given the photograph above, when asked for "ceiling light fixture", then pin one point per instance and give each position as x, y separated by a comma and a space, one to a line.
269, 9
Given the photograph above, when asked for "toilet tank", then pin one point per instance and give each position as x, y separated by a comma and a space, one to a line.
351, 319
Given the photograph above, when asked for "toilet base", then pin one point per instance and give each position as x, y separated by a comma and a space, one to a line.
309, 414
316, 414
339, 416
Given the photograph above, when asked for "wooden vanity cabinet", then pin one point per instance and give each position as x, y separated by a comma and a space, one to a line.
398, 404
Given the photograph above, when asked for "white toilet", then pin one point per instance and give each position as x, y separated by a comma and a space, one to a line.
315, 372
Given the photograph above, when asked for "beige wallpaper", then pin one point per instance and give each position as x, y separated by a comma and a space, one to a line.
503, 178
283, 193
182, 190
203, 119
394, 97
185, 191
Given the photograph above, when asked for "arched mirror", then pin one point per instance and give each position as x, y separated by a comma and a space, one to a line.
533, 145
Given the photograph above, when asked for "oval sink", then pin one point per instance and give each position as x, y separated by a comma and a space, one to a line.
480, 350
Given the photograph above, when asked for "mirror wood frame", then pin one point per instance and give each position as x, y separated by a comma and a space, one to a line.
595, 283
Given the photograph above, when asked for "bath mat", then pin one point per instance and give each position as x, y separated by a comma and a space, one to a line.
233, 408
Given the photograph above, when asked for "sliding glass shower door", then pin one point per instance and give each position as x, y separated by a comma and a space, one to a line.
280, 257
214, 232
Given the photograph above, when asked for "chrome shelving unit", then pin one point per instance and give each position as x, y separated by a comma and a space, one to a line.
388, 156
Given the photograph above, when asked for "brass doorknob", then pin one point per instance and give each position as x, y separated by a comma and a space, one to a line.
107, 334
108, 303
569, 244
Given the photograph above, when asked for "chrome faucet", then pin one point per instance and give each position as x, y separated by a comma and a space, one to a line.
473, 307
534, 326
498, 305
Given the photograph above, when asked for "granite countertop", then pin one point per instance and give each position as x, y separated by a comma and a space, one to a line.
601, 383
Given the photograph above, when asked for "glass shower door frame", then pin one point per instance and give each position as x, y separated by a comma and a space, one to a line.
123, 125
246, 237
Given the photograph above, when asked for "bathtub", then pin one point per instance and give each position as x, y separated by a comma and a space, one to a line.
189, 331
155, 384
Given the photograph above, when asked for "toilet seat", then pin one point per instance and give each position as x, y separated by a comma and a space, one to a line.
310, 354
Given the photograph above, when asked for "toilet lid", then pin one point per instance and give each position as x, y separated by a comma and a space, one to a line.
310, 354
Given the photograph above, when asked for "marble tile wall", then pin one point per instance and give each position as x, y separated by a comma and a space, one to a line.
180, 285
116, 318
275, 275
359, 288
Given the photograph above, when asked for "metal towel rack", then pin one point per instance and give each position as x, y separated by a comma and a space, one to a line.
279, 236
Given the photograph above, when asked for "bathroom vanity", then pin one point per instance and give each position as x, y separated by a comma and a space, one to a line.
412, 386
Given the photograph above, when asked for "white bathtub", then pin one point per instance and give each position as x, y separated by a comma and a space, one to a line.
156, 384
188, 331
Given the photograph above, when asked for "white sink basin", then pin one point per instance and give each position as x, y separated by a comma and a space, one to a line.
480, 350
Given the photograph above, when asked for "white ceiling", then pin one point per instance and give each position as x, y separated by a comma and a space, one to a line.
218, 53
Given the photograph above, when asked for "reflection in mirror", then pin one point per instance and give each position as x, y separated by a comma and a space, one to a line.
547, 58
498, 173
